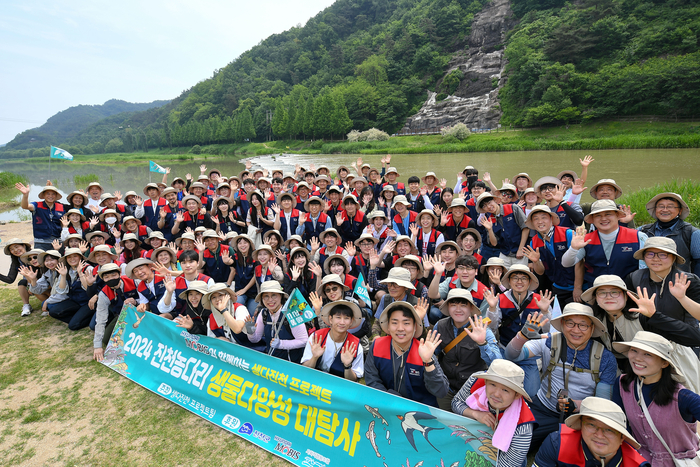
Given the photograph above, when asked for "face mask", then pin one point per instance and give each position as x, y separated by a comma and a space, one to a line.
111, 220
113, 283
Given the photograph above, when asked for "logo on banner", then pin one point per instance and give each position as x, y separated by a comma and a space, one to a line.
246, 429
231, 422
165, 389
297, 309
287, 451
361, 289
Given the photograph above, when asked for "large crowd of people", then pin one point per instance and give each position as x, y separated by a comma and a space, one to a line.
561, 325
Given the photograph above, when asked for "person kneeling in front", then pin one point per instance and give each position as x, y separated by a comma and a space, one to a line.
333, 349
595, 436
399, 364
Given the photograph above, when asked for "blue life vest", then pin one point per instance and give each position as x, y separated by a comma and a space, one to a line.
46, 221
559, 275
621, 262
152, 298
285, 334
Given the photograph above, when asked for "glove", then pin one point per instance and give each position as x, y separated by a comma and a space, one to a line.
570, 406
531, 330
275, 344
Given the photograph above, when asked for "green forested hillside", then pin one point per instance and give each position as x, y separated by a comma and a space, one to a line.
368, 63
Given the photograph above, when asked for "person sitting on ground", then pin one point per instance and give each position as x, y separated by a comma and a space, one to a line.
153, 293
596, 436
495, 399
506, 229
333, 349
71, 302
42, 286
15, 248
466, 268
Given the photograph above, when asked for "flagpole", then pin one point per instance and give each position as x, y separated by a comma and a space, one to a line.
49, 166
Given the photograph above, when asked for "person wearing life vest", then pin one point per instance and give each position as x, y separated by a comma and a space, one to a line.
466, 268
404, 217
227, 319
352, 221
281, 340
399, 363
117, 291
152, 288
330, 238
46, 215
216, 259
546, 250
577, 367
597, 436
70, 303
552, 192
425, 234
609, 249
418, 197
497, 399
468, 345
506, 229
670, 210
606, 188
469, 242
313, 221
286, 216
149, 210
333, 349
391, 175
457, 220
432, 191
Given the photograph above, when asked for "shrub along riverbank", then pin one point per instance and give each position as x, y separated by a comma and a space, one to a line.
688, 189
8, 193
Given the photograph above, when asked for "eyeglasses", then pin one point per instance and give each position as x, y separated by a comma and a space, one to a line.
507, 194
411, 268
666, 207
607, 432
331, 289
520, 278
32, 258
609, 293
571, 325
548, 188
651, 254
366, 243
464, 268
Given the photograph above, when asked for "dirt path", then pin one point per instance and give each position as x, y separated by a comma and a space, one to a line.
22, 230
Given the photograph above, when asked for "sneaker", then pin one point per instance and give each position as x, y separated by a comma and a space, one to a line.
26, 309
44, 313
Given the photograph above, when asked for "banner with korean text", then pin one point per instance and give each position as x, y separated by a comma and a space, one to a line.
302, 415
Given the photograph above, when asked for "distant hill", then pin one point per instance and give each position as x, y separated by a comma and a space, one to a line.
70, 122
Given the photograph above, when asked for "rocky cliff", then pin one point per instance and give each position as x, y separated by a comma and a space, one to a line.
475, 100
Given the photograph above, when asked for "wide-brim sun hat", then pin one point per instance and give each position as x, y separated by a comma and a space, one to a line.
50, 188
509, 187
606, 280
413, 259
33, 252
605, 411
218, 287
331, 279
131, 218
150, 186
267, 248
16, 241
42, 256
314, 199
457, 203
400, 277
299, 249
366, 236
71, 251
270, 287
651, 205
69, 198
579, 309
493, 262
245, 238
349, 197
324, 314
157, 251
133, 264
527, 192
377, 213
387, 188
94, 184
474, 232
106, 196
210, 233
400, 199
106, 212
457, 294
605, 181
291, 197
274, 233
392, 170
97, 233
548, 180
75, 211
337, 172
483, 197
324, 178
322, 236
524, 175
507, 373
131, 237
602, 205
407, 239
570, 173
541, 208
664, 244
428, 212
384, 318
443, 245
185, 236
429, 174
107, 268
295, 237
154, 234
193, 198
101, 249
655, 345
522, 269
327, 263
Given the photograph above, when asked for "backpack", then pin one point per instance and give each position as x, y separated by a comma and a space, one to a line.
556, 356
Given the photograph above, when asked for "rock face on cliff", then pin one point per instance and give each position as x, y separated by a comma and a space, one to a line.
475, 101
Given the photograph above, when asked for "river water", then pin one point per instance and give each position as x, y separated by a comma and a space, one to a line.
631, 169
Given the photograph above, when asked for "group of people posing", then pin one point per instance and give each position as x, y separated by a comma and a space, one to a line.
561, 325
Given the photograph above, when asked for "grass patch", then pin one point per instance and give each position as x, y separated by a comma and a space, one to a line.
9, 179
84, 180
688, 189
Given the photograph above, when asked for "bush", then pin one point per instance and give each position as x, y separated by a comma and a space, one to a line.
8, 179
196, 149
370, 135
354, 136
458, 131
441, 97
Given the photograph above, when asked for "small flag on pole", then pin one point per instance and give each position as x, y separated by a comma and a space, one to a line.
297, 310
156, 168
58, 153
361, 290
556, 308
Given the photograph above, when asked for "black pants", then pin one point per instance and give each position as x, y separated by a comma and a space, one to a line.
547, 422
77, 316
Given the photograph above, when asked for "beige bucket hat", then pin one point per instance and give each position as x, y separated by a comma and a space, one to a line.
327, 263
110, 211
42, 256
101, 249
483, 197
356, 313
651, 205
541, 208
605, 181
131, 218
546, 181
33, 252
75, 211
107, 268
664, 244
474, 232
457, 294
331, 231
447, 243
270, 287
412, 258
134, 264
315, 199
400, 277
295, 237
506, 373
365, 236
400, 199
494, 261
602, 205
429, 174
522, 269
267, 248
603, 281
50, 188
605, 411
457, 203
406, 238
209, 291
193, 198
428, 212
384, 318
149, 186
570, 173
330, 279
16, 241
524, 175
131, 237
654, 344
579, 309
71, 251
171, 252
185, 236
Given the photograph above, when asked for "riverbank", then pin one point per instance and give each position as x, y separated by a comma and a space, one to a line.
8, 193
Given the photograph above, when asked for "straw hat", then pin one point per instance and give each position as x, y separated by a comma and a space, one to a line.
474, 233
16, 241
522, 269
506, 373
570, 173
322, 236
314, 199
327, 263
267, 248
602, 281
546, 181
297, 238
384, 318
71, 251
366, 236
132, 237
150, 186
579, 309
133, 264
605, 181
356, 312
651, 205
101, 249
483, 197
602, 205
525, 175
42, 256
206, 300
400, 277
69, 198
32, 252
109, 211
50, 188
131, 218
494, 261
455, 294
605, 411
664, 244
429, 212
541, 208
457, 203
330, 279
412, 258
191, 197
400, 199
89, 237
185, 236
654, 344
270, 287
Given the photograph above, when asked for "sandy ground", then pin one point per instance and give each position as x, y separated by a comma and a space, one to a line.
22, 230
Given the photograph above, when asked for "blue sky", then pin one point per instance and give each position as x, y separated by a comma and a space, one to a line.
55, 55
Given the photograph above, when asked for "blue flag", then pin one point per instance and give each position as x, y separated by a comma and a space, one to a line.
58, 153
361, 290
156, 168
297, 309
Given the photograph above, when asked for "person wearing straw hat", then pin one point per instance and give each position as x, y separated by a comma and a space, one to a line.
399, 363
41, 285
597, 436
577, 367
149, 211
15, 248
609, 249
46, 214
424, 233
606, 188
495, 398
469, 242
553, 192
281, 340
662, 413
506, 229
669, 210
333, 349
71, 302
404, 217
457, 220
677, 292
117, 291
546, 250
468, 345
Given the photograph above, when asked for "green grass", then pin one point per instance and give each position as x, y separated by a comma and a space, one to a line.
9, 179
84, 180
60, 408
688, 189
